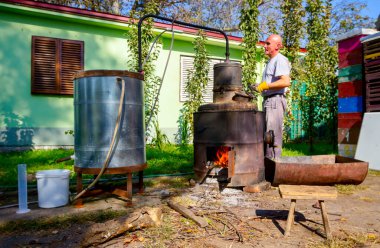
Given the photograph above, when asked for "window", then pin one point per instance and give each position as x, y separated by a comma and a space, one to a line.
186, 66
54, 62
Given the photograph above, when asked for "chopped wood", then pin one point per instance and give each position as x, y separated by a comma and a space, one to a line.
188, 214
140, 219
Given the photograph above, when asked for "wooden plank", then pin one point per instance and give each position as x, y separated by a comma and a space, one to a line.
325, 220
188, 214
354, 57
350, 70
290, 220
350, 104
350, 78
350, 120
348, 89
307, 192
350, 44
348, 135
346, 150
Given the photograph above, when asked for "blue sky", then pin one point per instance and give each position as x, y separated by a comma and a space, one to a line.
373, 8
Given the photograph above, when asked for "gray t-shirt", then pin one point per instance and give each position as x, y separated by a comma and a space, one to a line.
276, 67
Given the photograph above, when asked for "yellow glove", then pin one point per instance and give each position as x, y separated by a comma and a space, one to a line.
261, 87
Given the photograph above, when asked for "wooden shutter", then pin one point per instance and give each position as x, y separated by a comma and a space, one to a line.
71, 61
54, 62
372, 75
44, 61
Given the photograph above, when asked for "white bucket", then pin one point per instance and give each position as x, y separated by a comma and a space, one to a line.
53, 188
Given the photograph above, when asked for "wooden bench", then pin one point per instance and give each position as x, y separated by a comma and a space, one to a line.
303, 192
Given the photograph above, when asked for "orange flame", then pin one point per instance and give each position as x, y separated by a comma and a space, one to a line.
222, 157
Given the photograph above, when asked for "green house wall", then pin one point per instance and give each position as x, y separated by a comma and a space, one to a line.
40, 121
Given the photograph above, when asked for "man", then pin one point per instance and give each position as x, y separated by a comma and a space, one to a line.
275, 80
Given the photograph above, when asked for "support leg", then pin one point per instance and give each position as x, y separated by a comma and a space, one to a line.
325, 219
141, 182
79, 201
290, 220
129, 188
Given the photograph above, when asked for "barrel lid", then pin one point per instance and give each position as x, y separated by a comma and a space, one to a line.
227, 64
102, 73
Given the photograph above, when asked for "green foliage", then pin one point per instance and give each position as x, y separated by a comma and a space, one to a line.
70, 132
195, 87
320, 102
34, 160
167, 159
151, 81
292, 14
160, 138
249, 26
183, 135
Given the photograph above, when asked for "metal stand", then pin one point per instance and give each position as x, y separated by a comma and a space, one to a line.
123, 191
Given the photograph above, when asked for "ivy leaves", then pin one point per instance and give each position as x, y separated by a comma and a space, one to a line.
249, 25
196, 83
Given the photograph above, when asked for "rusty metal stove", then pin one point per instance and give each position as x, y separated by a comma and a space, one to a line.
231, 126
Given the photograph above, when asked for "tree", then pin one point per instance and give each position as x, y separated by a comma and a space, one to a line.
195, 87
346, 15
249, 26
292, 29
218, 14
320, 104
151, 81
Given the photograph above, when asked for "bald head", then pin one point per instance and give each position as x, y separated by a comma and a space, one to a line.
276, 38
273, 45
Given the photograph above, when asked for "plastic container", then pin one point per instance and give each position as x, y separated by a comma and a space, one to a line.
22, 190
53, 188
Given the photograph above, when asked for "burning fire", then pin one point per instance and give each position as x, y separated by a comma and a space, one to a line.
222, 157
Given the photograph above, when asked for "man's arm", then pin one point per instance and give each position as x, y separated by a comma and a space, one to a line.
283, 82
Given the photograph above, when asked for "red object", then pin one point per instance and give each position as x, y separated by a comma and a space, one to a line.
350, 58
348, 135
350, 44
349, 89
349, 120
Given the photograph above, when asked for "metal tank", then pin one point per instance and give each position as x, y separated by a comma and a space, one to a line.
96, 103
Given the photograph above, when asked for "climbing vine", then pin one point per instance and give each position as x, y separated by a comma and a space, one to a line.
320, 102
151, 81
249, 25
195, 86
293, 26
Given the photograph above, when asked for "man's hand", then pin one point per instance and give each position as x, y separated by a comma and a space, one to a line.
261, 87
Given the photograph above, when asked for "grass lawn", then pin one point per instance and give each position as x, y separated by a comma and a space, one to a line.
170, 160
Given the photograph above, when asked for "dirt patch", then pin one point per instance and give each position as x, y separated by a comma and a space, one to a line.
236, 219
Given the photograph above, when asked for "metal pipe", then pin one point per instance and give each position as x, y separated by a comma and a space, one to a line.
179, 23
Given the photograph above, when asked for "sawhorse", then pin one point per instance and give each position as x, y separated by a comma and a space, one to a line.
303, 192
